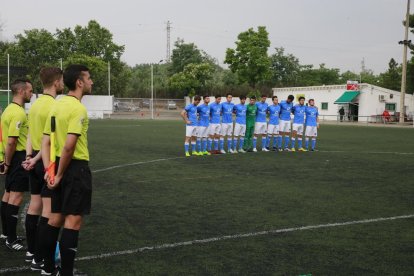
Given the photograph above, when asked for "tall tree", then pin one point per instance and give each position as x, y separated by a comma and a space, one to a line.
391, 79
184, 54
250, 59
285, 68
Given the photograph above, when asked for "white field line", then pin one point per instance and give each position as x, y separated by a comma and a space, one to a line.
219, 238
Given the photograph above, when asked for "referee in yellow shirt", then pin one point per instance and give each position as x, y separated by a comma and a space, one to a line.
72, 186
14, 135
52, 81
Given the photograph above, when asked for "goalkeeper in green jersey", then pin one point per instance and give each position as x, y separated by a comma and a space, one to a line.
250, 121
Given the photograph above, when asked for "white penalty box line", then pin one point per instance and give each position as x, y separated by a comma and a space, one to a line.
220, 238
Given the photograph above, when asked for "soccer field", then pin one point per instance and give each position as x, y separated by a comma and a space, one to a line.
156, 212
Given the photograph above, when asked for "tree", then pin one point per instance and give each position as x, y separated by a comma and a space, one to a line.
348, 76
285, 68
391, 79
184, 54
250, 59
308, 76
194, 77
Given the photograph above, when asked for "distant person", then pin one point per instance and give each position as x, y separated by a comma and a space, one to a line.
386, 116
312, 125
298, 123
285, 123
260, 128
341, 114
214, 127
274, 140
227, 124
203, 111
250, 122
240, 127
189, 115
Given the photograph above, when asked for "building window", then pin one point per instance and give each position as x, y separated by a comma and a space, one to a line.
324, 106
390, 106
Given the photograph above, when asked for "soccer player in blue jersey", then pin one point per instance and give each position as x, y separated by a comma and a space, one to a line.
260, 128
189, 115
227, 124
214, 127
273, 138
312, 124
298, 123
240, 127
284, 124
203, 111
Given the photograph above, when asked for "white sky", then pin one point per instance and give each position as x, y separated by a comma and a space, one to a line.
339, 33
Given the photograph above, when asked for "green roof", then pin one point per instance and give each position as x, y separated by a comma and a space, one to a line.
347, 97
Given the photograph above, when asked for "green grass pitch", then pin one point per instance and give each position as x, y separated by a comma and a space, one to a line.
359, 173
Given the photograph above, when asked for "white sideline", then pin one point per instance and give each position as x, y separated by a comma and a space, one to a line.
219, 238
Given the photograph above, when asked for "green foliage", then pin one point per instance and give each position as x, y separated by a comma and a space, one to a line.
184, 54
308, 76
391, 79
250, 59
285, 68
194, 77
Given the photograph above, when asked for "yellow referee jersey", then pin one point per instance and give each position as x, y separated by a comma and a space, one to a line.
37, 119
14, 124
71, 118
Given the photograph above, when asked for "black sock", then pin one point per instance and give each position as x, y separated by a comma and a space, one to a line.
40, 230
12, 217
68, 248
48, 241
31, 230
3, 212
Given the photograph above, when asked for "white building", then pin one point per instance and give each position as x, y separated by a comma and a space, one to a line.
368, 102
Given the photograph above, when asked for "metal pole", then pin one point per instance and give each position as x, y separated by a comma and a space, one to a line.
8, 79
152, 91
109, 78
404, 65
61, 63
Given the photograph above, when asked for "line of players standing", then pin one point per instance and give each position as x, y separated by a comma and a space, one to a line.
209, 125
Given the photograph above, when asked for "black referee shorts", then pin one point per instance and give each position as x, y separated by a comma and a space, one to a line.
74, 194
17, 178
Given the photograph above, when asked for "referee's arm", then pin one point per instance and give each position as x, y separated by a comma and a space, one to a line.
66, 157
9, 152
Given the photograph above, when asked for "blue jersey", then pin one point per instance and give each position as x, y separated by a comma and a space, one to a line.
203, 115
240, 111
311, 116
299, 114
191, 110
215, 113
227, 111
285, 110
261, 112
274, 111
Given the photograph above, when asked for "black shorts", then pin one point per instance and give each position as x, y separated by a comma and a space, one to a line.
36, 177
74, 194
17, 178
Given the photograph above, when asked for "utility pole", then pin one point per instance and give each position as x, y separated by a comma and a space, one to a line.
152, 91
405, 42
168, 56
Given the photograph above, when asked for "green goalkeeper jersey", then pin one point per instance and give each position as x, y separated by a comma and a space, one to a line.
251, 114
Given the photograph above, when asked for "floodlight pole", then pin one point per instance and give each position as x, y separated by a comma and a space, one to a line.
8, 79
404, 65
152, 91
61, 63
109, 78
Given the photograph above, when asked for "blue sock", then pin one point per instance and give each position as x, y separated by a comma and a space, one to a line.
270, 141
299, 143
279, 141
204, 145
306, 143
234, 144
287, 139
293, 142
198, 145
241, 143
209, 144
216, 144
229, 143
313, 143
254, 142
186, 146
264, 142
221, 144
193, 146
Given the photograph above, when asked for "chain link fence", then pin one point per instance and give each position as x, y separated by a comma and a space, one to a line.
145, 108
